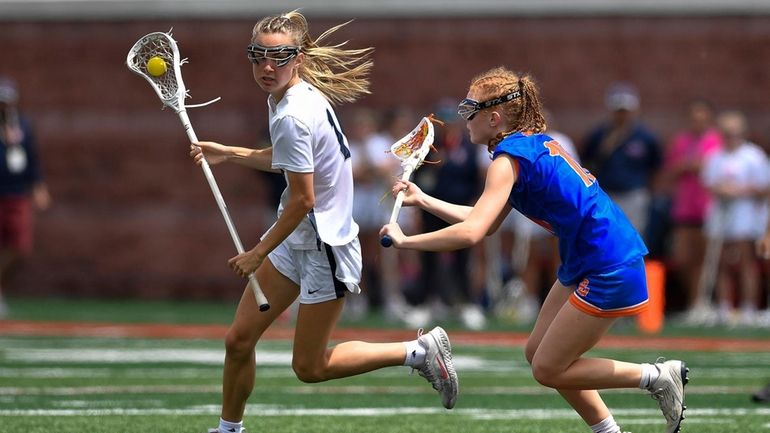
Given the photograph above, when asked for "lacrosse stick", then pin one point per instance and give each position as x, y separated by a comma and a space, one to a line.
411, 150
152, 57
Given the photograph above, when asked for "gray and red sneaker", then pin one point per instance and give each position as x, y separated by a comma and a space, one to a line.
438, 368
668, 390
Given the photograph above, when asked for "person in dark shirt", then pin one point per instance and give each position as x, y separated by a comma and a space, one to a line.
624, 155
21, 184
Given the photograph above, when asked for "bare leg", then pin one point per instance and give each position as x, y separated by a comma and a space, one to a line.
586, 402
245, 331
7, 259
558, 362
313, 361
749, 279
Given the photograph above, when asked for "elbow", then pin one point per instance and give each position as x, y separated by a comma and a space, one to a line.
470, 236
307, 203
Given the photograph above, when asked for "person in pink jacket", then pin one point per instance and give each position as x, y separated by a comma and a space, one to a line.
687, 151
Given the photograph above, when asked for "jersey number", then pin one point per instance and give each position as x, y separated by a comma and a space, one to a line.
555, 149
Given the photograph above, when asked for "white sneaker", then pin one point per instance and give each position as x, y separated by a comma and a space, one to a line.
216, 430
668, 390
438, 368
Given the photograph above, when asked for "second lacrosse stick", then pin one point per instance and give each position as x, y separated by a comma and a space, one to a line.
411, 150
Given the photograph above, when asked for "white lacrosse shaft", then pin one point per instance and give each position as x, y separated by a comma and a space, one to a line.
261, 299
386, 240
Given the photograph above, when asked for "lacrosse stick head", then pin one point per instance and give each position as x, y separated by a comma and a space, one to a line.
412, 148
168, 85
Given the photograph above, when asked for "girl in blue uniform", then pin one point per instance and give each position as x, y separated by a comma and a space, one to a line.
602, 274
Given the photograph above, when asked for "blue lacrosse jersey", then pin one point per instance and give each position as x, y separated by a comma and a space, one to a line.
553, 190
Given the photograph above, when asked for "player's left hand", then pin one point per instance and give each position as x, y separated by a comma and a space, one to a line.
246, 263
394, 231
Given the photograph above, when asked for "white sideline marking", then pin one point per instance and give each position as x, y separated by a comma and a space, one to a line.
126, 389
687, 421
482, 414
198, 356
327, 390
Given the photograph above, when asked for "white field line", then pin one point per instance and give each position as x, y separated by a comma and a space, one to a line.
99, 390
194, 356
687, 421
478, 413
265, 358
331, 390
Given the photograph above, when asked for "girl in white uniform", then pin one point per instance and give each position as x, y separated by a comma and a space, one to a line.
312, 251
738, 177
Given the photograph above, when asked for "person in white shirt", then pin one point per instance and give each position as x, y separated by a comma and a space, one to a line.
312, 251
738, 177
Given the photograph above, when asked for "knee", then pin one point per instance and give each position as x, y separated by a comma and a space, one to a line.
308, 372
238, 345
545, 373
529, 351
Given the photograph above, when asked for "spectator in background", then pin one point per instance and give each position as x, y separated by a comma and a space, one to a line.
21, 185
738, 177
690, 199
624, 155
399, 269
457, 179
373, 169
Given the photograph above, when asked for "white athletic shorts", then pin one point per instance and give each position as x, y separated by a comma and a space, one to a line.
322, 274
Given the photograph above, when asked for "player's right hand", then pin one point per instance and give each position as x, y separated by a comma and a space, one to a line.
411, 191
212, 151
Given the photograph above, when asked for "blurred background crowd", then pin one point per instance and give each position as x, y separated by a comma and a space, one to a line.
666, 106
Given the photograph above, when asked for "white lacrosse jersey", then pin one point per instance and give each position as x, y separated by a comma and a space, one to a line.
307, 138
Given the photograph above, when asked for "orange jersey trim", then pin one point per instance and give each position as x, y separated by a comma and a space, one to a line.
587, 308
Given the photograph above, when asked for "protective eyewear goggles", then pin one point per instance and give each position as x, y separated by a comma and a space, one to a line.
468, 108
281, 55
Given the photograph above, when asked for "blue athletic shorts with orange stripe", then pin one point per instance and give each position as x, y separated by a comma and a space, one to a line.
619, 292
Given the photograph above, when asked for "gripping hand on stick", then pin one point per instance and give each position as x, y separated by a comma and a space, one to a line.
213, 152
411, 150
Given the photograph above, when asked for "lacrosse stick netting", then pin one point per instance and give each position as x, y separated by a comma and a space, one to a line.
411, 150
171, 91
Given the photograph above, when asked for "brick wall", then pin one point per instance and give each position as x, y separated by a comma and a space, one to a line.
134, 217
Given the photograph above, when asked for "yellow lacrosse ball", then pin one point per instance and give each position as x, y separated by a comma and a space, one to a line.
156, 66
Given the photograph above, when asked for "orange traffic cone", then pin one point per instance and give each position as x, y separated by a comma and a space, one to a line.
650, 320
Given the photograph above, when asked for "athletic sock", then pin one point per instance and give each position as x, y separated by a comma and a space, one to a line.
650, 374
607, 425
415, 354
230, 427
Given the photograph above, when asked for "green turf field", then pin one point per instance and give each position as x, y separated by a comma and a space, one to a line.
70, 385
